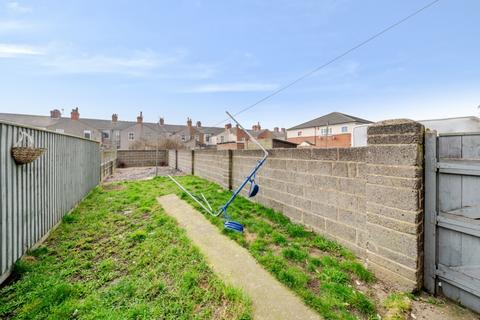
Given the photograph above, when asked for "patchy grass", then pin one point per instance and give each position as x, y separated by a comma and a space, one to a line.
319, 270
119, 256
398, 306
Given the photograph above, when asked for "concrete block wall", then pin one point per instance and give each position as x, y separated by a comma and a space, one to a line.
141, 158
184, 160
394, 205
321, 188
370, 199
214, 165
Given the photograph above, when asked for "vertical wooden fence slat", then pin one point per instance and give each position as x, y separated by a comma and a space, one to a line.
34, 197
430, 210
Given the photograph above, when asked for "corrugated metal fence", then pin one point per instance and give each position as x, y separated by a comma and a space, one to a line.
34, 197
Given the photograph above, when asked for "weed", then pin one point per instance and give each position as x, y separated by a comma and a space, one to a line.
398, 305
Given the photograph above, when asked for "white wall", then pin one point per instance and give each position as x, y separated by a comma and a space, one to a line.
359, 136
464, 124
310, 132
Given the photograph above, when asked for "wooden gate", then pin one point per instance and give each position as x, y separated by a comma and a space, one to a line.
452, 217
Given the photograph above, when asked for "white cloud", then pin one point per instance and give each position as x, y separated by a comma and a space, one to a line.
13, 25
16, 7
137, 63
234, 87
15, 50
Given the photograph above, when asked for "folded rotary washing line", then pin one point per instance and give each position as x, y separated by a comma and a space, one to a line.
253, 188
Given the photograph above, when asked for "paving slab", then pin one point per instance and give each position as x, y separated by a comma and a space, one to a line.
235, 265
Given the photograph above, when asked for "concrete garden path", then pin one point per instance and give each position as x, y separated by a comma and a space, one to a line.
234, 264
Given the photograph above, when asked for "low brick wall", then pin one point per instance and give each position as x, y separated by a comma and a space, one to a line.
141, 158
369, 198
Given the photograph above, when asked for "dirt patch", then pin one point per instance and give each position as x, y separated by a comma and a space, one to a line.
141, 173
424, 306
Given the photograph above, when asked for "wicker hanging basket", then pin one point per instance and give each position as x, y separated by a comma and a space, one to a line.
23, 151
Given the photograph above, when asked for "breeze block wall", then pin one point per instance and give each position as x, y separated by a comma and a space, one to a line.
370, 199
214, 165
141, 158
184, 161
395, 201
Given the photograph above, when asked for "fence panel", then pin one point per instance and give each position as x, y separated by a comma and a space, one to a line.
452, 217
35, 196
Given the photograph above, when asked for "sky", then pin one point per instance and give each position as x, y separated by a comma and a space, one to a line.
199, 58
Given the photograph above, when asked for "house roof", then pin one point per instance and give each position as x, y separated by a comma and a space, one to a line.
330, 119
30, 120
99, 124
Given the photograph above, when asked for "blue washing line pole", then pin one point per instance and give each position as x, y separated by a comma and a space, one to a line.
229, 223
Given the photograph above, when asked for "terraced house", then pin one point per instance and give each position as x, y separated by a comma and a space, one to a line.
114, 133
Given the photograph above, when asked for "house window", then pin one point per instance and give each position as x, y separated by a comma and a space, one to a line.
324, 131
197, 138
59, 130
87, 134
131, 136
222, 139
207, 138
345, 129
299, 133
183, 137
105, 134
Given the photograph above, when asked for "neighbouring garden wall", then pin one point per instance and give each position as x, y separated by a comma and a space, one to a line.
142, 158
35, 196
369, 198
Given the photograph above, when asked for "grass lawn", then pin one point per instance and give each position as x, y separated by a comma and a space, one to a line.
119, 256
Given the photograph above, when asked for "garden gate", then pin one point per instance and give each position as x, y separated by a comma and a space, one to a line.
452, 216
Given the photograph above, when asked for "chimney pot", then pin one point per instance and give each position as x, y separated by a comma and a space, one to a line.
283, 130
199, 124
276, 129
189, 122
228, 126
75, 115
162, 121
114, 117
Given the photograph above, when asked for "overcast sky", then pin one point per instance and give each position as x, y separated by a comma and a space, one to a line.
196, 59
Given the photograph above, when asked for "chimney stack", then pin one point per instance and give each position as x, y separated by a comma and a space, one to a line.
75, 115
283, 130
162, 121
276, 129
256, 127
55, 114
114, 117
199, 124
140, 118
189, 122
228, 126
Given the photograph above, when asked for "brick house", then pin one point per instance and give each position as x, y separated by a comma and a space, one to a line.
331, 130
234, 138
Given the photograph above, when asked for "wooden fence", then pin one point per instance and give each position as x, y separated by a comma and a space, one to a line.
34, 197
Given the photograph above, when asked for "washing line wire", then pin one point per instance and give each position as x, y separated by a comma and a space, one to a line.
336, 58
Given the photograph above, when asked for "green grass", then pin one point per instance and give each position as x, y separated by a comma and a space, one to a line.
398, 306
119, 256
319, 270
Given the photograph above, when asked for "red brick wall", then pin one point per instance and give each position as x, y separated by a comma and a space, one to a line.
343, 140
